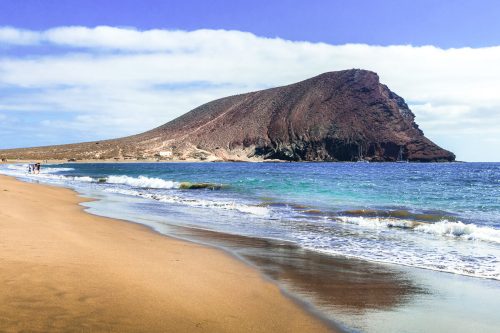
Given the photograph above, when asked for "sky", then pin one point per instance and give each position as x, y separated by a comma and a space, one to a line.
75, 71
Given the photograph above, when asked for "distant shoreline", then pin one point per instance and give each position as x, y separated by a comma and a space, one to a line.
49, 161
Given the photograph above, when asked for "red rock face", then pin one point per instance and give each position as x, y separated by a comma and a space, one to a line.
336, 116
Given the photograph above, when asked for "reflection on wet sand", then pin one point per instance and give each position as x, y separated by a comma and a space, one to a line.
362, 296
339, 283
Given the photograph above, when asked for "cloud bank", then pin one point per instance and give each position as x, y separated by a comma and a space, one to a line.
77, 83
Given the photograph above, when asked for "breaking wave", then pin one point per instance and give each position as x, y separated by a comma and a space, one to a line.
461, 230
202, 203
446, 228
51, 173
141, 181
23, 168
54, 170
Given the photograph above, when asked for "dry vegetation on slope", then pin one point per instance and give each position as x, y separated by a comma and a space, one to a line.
336, 116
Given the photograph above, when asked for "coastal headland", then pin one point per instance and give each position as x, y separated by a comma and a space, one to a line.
336, 116
63, 270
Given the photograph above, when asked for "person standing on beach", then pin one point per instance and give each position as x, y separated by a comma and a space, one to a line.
29, 168
36, 168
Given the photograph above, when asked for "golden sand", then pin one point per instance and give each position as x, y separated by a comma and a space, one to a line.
63, 270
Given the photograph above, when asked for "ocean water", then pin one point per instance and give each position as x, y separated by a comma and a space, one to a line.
441, 217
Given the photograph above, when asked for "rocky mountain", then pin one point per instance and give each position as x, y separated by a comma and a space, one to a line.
336, 116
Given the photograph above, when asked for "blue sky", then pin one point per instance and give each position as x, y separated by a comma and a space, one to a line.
85, 70
448, 23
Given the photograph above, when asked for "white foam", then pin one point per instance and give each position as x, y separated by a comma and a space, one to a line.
375, 222
23, 168
82, 179
144, 182
20, 167
460, 230
123, 191
46, 173
255, 210
53, 170
449, 265
446, 228
202, 203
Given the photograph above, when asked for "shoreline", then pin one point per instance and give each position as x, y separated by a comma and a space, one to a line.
346, 293
71, 270
47, 162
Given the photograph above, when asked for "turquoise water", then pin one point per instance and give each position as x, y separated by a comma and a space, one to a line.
443, 217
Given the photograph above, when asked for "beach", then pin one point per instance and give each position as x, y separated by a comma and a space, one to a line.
249, 247
62, 269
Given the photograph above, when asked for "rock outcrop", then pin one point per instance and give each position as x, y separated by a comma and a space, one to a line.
337, 116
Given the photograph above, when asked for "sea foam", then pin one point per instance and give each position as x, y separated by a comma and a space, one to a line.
143, 182
201, 203
23, 168
459, 230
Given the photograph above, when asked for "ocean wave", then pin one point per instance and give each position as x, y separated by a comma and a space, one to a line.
48, 174
59, 178
54, 170
44, 168
201, 203
483, 270
85, 179
461, 230
51, 173
142, 181
157, 183
446, 228
375, 222
435, 216
20, 167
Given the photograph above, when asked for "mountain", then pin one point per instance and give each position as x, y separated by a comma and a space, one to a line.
336, 116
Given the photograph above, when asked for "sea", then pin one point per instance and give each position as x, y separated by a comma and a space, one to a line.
408, 230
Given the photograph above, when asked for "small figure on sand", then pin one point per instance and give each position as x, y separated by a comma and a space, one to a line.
34, 168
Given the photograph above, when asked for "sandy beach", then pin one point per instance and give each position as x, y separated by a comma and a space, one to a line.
63, 270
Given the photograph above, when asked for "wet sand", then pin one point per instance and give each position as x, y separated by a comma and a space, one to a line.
63, 270
367, 296
349, 284
364, 296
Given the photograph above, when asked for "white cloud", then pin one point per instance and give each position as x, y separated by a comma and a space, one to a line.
13, 36
140, 79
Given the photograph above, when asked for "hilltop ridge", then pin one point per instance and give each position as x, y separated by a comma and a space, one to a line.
336, 116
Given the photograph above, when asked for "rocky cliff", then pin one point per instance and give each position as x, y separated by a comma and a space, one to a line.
336, 116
